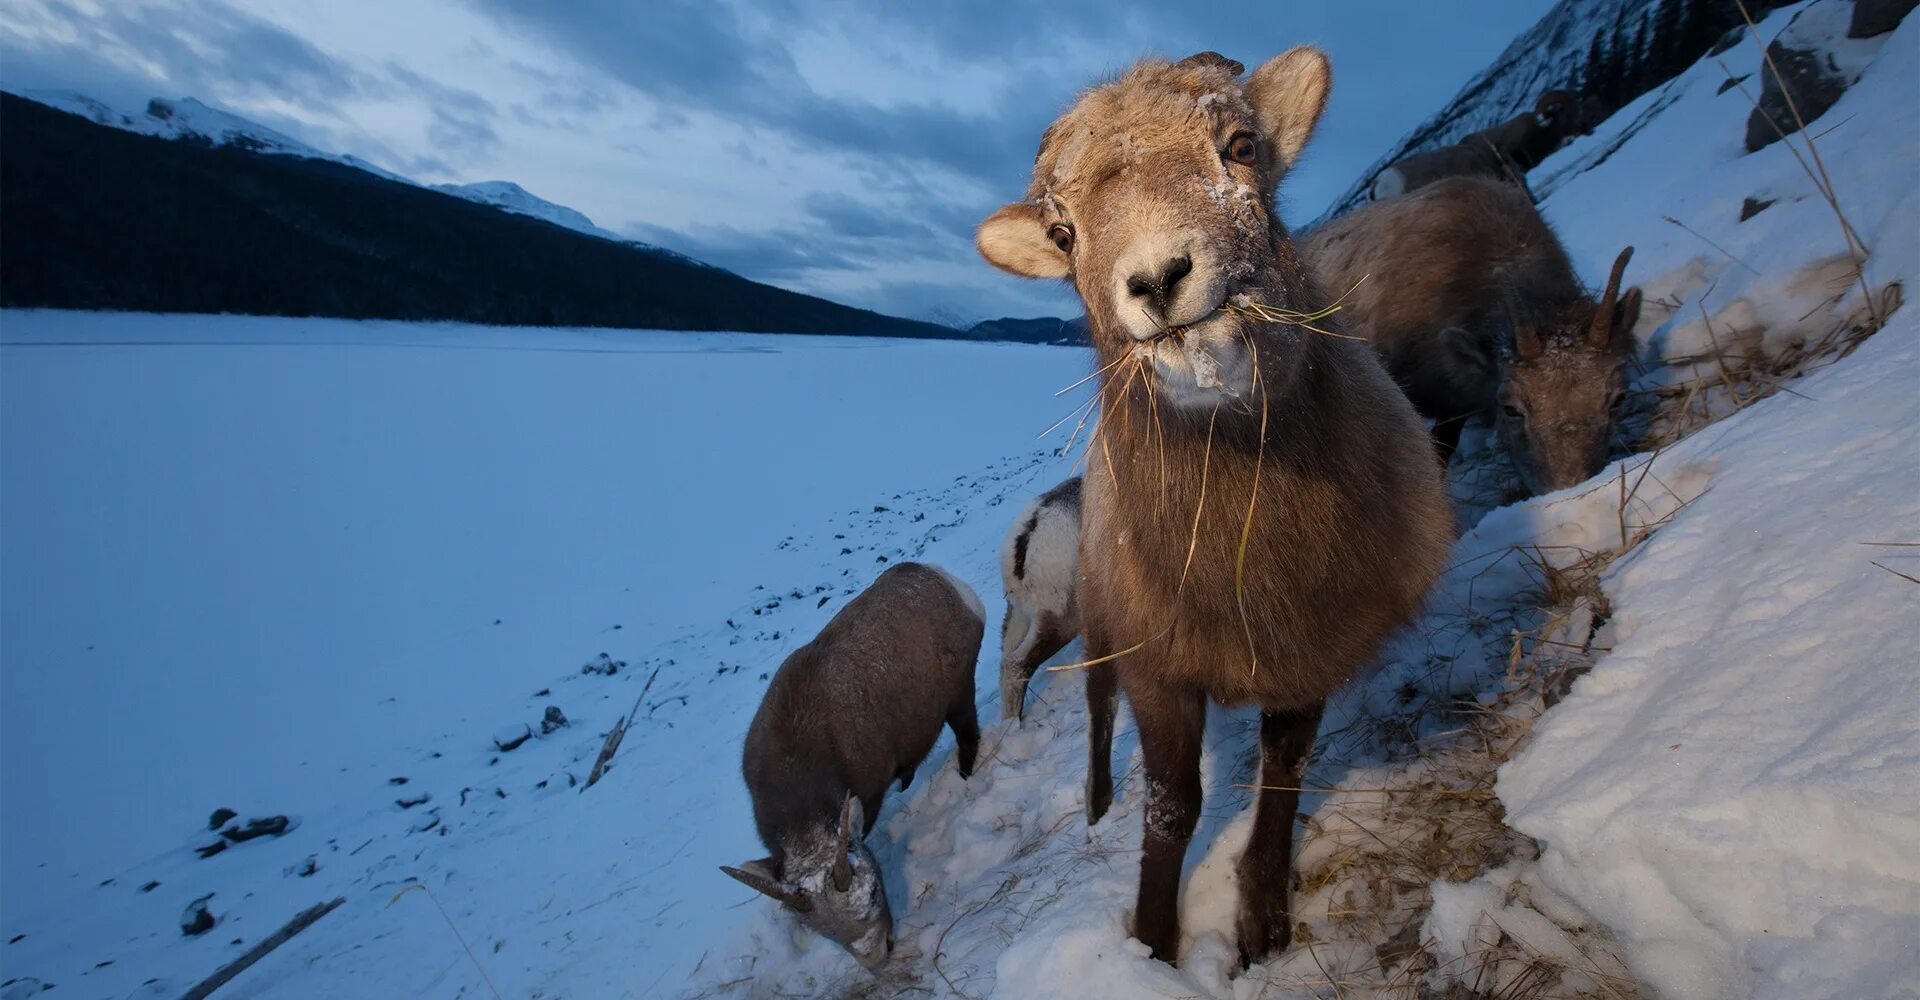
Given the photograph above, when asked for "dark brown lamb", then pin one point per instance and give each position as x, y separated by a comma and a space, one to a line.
845, 716
1472, 303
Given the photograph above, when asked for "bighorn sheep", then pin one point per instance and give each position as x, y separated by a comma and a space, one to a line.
1261, 504
1505, 152
1037, 566
1475, 309
847, 714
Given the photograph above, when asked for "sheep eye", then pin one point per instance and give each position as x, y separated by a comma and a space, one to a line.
1512, 411
1242, 149
1062, 236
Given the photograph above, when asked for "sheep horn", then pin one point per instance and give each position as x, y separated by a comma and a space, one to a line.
1601, 332
1526, 340
1212, 58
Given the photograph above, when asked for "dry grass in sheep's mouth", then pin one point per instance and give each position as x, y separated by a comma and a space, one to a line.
1242, 304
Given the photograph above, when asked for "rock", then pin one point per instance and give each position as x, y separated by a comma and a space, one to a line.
1751, 206
419, 800
22, 988
220, 817
197, 919
270, 826
1877, 17
552, 720
150, 886
396, 780
1815, 65
305, 869
510, 737
211, 849
605, 666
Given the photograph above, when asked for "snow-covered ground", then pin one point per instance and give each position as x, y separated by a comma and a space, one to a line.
273, 565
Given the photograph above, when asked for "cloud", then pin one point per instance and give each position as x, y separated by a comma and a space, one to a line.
202, 47
703, 56
461, 121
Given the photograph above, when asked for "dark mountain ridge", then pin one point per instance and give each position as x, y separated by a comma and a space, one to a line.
101, 218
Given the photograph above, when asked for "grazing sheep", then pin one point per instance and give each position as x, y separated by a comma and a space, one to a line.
1261, 504
1470, 300
1037, 567
1505, 152
846, 715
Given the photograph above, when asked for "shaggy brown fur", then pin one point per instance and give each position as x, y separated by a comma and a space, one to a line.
1295, 441
846, 715
1471, 301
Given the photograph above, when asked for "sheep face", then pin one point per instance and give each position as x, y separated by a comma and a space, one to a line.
832, 886
1562, 385
1154, 195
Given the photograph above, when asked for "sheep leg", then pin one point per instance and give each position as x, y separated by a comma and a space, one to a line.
1266, 868
964, 720
1043, 640
1017, 637
1171, 719
1102, 694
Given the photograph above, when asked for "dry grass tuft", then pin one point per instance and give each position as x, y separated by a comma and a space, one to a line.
1730, 379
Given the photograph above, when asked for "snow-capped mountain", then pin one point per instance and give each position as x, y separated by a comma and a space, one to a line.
190, 120
510, 197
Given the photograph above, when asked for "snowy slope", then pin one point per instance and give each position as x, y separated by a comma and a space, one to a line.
1732, 789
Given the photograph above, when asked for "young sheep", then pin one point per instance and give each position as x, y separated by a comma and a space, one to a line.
1503, 328
846, 715
1261, 505
1037, 567
1505, 152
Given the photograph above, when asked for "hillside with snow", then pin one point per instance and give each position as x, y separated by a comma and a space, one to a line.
1656, 735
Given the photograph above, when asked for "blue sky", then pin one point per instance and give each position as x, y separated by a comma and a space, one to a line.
844, 147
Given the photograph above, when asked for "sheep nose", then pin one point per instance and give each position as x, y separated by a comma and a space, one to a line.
1158, 288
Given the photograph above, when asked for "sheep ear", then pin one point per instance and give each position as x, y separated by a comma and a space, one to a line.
853, 821
1626, 315
1014, 239
852, 828
759, 876
1289, 92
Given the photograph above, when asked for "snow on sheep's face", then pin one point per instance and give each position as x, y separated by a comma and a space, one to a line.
832, 885
1154, 195
1561, 386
